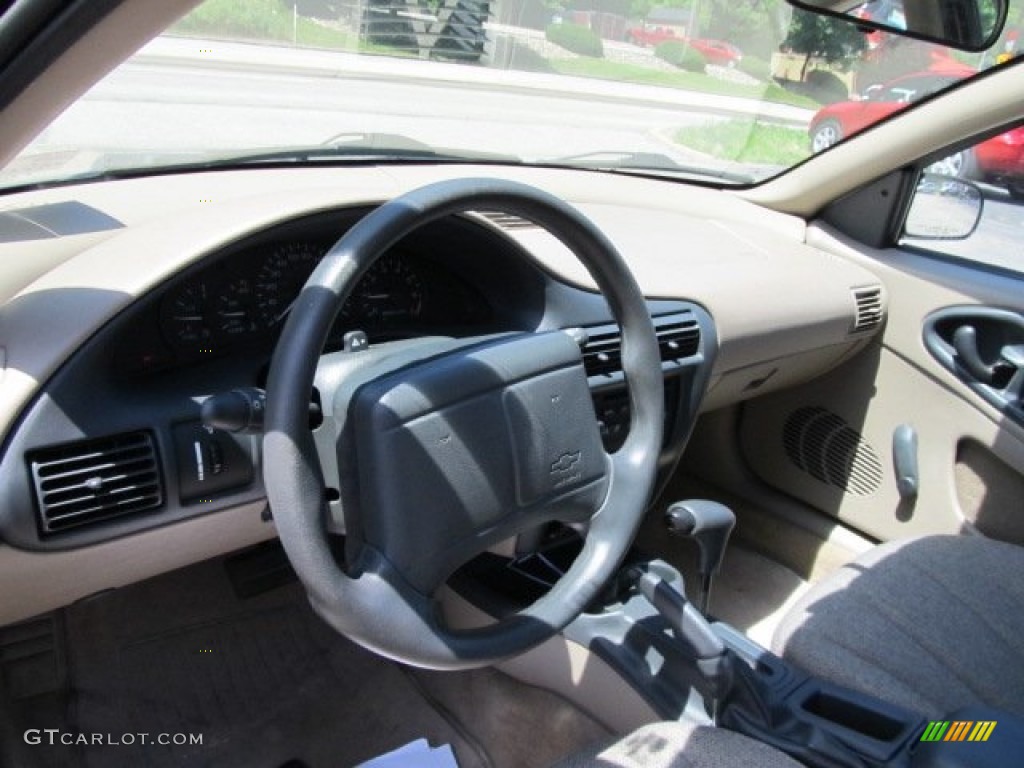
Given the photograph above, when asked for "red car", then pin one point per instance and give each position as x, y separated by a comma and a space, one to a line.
717, 52
999, 160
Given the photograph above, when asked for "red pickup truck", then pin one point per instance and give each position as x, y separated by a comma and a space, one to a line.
651, 36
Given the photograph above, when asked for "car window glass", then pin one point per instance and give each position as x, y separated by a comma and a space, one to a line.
724, 91
996, 167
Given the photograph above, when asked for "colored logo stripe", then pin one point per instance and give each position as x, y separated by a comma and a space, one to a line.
935, 730
982, 730
958, 730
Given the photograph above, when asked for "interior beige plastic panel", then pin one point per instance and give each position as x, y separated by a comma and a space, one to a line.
567, 668
898, 383
745, 265
772, 375
939, 419
990, 490
927, 128
124, 31
919, 285
36, 582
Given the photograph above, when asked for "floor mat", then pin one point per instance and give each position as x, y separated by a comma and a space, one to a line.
264, 681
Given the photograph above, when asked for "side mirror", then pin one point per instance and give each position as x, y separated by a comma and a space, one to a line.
944, 208
970, 25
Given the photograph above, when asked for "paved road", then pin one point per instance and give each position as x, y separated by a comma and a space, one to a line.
156, 106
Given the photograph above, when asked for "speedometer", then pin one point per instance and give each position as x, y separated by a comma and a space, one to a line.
390, 294
235, 310
280, 278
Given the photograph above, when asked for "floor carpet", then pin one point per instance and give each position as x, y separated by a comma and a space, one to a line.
264, 681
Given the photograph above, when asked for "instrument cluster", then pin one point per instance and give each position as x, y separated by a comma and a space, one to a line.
244, 299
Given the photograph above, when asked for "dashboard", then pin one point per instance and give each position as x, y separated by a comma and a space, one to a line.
144, 298
116, 444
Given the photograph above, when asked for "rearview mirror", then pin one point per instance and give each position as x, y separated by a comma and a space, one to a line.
944, 208
970, 25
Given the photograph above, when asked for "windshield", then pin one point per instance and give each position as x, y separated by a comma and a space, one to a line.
732, 91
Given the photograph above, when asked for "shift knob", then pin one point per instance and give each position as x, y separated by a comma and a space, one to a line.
709, 524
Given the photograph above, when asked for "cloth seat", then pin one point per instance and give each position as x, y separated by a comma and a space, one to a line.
932, 624
681, 745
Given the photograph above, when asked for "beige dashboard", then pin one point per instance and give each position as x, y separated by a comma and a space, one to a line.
784, 312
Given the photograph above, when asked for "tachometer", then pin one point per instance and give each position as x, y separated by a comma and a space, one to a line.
185, 316
280, 278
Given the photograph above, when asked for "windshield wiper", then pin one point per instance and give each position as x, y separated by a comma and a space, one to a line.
347, 148
656, 163
364, 147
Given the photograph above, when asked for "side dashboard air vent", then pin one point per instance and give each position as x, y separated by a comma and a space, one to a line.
507, 221
678, 338
94, 480
869, 309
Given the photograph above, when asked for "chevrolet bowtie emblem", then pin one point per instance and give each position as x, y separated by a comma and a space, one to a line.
566, 462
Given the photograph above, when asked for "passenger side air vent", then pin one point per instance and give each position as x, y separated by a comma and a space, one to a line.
507, 221
678, 338
93, 480
869, 309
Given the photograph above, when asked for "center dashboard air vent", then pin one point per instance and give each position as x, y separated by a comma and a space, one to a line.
90, 481
678, 338
507, 221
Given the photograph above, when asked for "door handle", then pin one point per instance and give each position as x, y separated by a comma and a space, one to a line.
984, 348
965, 344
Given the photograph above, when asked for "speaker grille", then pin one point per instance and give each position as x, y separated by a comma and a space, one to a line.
823, 445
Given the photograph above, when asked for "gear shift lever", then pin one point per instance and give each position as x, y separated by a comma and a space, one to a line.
709, 524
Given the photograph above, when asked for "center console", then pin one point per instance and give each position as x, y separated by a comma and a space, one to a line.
688, 667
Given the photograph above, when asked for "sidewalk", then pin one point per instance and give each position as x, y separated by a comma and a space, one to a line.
258, 57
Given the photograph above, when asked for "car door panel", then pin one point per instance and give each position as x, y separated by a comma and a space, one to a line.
833, 442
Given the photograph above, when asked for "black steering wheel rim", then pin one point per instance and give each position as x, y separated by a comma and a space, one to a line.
372, 602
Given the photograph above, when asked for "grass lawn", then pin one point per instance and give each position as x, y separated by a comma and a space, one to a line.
260, 20
690, 81
747, 142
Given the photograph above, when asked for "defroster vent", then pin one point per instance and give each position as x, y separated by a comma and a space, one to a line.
678, 338
90, 481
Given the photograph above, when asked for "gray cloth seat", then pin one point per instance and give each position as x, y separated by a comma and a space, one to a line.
681, 745
932, 624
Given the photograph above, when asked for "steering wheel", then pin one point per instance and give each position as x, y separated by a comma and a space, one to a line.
442, 448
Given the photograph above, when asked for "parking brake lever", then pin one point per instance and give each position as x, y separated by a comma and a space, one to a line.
710, 657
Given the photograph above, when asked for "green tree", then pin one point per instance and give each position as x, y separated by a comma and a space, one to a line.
752, 25
838, 42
